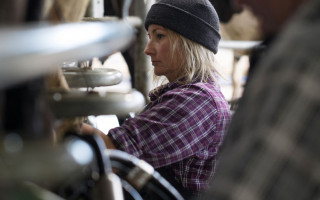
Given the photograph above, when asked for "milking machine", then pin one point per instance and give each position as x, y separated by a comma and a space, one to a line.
38, 158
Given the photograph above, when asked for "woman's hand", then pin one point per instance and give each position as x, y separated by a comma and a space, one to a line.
87, 129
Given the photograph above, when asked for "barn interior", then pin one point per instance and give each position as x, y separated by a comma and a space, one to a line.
65, 62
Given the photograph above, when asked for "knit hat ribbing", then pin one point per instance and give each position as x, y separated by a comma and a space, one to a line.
196, 20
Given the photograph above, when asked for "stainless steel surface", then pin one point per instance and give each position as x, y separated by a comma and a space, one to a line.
108, 188
88, 77
125, 8
33, 50
109, 185
140, 173
96, 8
36, 168
238, 44
132, 20
40, 162
34, 192
77, 103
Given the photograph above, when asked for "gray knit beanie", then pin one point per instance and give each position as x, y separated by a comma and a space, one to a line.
196, 20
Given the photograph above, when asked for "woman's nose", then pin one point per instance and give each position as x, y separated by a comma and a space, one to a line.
148, 49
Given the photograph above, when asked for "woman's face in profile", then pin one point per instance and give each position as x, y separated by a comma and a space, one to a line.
159, 49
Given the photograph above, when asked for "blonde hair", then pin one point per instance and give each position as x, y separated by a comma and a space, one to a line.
198, 62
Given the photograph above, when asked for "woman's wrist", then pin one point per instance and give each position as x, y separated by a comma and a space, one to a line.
87, 129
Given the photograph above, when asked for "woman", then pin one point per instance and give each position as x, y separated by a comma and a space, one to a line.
180, 131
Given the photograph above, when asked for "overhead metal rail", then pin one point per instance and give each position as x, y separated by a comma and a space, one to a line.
78, 103
132, 20
238, 44
33, 50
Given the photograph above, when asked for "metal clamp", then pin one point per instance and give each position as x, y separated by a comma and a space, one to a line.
88, 77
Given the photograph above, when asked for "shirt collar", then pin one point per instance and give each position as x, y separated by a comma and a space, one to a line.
157, 92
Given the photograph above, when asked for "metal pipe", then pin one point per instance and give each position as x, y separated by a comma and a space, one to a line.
78, 103
32, 50
142, 63
141, 175
41, 163
238, 44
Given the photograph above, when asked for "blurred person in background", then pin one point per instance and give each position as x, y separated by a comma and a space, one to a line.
272, 147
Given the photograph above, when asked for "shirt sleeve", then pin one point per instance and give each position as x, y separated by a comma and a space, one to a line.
180, 123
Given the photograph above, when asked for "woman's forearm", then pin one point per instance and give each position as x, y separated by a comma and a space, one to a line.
87, 129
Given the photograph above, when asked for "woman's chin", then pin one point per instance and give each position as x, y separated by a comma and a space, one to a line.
157, 73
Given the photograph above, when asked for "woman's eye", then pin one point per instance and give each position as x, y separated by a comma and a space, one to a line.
160, 36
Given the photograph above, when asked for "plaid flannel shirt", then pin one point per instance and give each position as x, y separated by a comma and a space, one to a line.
182, 127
